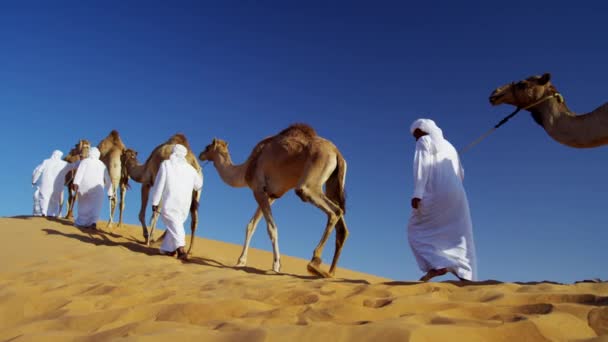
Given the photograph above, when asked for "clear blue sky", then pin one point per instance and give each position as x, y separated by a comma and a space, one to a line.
360, 73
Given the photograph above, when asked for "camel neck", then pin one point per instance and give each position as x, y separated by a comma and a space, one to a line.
233, 175
579, 131
136, 171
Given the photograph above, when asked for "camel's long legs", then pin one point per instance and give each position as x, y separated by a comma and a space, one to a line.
264, 206
250, 230
123, 193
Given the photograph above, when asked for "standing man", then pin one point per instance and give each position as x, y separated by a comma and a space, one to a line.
440, 231
48, 178
89, 182
175, 181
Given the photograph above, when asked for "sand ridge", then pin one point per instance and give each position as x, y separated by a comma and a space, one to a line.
60, 283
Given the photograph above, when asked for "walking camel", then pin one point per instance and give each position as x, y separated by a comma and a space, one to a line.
550, 111
146, 175
296, 158
111, 149
78, 152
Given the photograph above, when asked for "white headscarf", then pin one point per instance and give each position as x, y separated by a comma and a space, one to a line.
56, 154
179, 153
436, 142
94, 153
427, 126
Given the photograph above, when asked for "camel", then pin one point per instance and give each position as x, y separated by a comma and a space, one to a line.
550, 111
146, 175
296, 158
111, 149
79, 152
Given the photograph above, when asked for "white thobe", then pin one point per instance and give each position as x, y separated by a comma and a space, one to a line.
175, 181
440, 231
91, 177
37, 209
50, 179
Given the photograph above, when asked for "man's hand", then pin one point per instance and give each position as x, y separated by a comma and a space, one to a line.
415, 202
154, 208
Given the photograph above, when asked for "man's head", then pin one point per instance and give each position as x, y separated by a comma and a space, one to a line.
94, 153
422, 127
179, 151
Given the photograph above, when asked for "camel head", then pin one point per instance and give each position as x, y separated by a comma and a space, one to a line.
128, 156
79, 151
523, 93
217, 148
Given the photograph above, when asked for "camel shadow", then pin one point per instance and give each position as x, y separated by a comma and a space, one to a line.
252, 270
100, 238
63, 221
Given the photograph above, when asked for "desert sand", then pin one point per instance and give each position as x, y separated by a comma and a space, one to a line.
61, 283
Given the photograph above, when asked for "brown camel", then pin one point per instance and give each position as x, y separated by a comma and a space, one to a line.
550, 111
111, 149
295, 158
146, 175
79, 152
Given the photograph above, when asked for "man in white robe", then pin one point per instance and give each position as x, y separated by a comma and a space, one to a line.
49, 179
91, 183
37, 209
175, 181
440, 230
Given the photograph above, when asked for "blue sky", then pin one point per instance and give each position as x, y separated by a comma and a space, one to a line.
359, 73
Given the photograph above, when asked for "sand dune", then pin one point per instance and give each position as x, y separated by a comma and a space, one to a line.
61, 283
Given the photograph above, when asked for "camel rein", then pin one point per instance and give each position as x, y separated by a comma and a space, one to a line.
559, 97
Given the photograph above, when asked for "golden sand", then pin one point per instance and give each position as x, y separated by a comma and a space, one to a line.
61, 283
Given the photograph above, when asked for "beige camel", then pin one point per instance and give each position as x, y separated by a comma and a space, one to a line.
111, 149
79, 152
549, 110
295, 158
146, 174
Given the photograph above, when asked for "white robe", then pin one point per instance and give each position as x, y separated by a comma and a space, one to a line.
175, 181
50, 178
440, 231
37, 209
91, 177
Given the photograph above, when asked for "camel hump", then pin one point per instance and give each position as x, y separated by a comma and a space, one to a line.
299, 129
179, 138
114, 134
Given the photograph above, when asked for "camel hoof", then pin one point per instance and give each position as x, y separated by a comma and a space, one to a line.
241, 263
276, 267
314, 269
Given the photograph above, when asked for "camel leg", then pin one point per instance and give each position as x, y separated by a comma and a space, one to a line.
341, 235
251, 227
70, 206
123, 194
271, 227
318, 199
152, 227
310, 190
112, 208
193, 218
145, 191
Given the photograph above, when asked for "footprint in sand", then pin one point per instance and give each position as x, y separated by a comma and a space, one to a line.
377, 303
534, 309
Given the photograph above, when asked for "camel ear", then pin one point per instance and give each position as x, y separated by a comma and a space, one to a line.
546, 77
214, 141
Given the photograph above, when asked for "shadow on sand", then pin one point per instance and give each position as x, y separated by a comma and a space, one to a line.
101, 238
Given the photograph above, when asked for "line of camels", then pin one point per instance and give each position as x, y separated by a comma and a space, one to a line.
297, 158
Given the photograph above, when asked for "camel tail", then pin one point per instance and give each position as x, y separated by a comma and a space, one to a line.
335, 187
